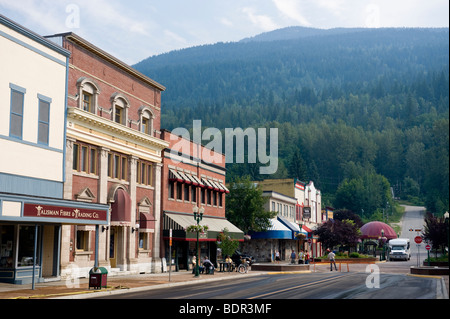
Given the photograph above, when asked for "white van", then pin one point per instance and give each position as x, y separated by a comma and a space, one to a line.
399, 249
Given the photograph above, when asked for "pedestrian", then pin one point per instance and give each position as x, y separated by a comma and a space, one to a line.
331, 256
277, 256
306, 257
194, 264
301, 256
293, 257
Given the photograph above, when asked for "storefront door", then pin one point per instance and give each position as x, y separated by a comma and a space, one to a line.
50, 255
113, 247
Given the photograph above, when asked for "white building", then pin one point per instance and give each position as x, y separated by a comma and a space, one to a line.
33, 95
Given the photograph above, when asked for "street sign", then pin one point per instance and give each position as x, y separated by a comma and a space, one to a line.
428, 247
418, 239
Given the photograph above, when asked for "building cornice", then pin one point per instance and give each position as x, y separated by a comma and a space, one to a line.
98, 125
76, 39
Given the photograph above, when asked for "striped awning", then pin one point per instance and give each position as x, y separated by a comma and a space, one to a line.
178, 222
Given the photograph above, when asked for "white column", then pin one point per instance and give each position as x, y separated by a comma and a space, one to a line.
156, 253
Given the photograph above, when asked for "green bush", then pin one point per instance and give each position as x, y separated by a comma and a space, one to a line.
354, 255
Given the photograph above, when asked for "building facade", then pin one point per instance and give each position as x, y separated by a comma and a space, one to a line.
33, 97
191, 182
282, 234
307, 214
113, 158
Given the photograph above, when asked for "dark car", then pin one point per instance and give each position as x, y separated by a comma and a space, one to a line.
237, 256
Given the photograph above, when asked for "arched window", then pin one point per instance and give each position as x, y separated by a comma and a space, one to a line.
88, 92
146, 118
119, 107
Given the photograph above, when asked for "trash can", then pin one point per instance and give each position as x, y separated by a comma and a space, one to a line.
98, 277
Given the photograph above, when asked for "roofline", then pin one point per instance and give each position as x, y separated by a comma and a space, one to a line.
73, 37
33, 36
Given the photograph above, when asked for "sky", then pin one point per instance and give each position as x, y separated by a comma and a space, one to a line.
133, 30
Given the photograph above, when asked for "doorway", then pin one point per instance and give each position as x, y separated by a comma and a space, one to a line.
113, 247
50, 251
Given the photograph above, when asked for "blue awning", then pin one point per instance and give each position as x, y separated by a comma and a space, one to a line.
276, 231
295, 228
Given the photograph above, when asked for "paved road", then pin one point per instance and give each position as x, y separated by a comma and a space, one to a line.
388, 280
332, 285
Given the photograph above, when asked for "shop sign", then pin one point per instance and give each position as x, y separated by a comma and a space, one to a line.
73, 213
306, 212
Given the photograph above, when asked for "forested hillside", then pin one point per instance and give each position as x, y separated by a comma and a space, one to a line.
355, 108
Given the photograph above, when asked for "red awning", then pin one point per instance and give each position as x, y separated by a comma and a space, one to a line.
146, 221
121, 208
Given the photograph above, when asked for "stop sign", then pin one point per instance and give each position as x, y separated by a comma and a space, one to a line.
428, 247
418, 239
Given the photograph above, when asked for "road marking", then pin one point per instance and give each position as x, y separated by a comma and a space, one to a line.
302, 286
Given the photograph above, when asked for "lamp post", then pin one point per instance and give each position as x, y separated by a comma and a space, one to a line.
446, 215
300, 225
383, 240
198, 216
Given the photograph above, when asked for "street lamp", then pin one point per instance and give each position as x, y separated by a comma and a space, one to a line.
198, 216
383, 240
448, 241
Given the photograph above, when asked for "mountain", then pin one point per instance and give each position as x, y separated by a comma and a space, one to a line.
348, 103
317, 59
294, 33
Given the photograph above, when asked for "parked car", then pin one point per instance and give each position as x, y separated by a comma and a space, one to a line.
237, 256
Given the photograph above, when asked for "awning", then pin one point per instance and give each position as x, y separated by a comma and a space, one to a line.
277, 230
174, 176
306, 230
192, 179
225, 188
207, 183
146, 221
184, 177
121, 209
178, 222
295, 228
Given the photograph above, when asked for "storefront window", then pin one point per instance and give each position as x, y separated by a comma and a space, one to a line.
82, 240
26, 247
143, 241
6, 246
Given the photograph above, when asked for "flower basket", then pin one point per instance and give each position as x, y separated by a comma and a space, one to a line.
197, 228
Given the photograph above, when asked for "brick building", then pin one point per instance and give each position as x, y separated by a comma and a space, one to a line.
188, 181
114, 158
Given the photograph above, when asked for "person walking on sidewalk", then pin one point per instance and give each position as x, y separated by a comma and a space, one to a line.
331, 256
293, 257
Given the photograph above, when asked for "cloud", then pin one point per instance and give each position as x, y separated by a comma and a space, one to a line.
263, 22
226, 22
291, 9
173, 36
112, 16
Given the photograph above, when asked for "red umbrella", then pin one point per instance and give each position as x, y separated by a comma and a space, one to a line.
372, 230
